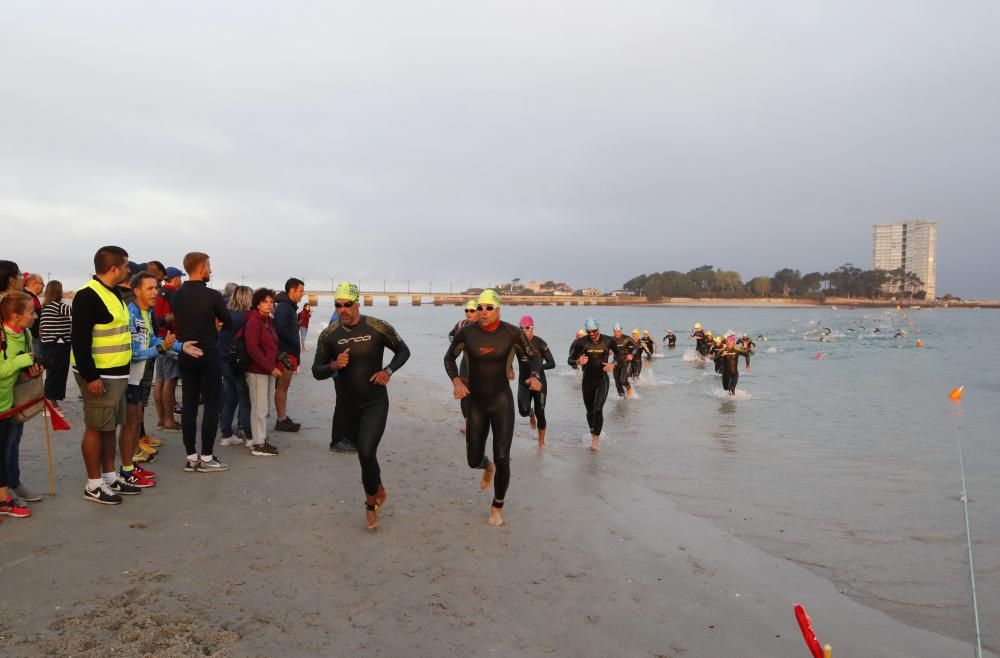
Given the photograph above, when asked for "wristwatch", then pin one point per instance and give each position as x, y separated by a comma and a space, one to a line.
388, 370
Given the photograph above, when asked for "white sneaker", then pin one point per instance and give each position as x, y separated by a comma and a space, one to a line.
231, 441
248, 443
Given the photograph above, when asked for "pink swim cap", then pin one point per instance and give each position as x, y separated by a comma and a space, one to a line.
526, 321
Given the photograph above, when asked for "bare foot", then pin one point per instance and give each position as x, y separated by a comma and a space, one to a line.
531, 419
372, 518
496, 518
593, 443
629, 394
541, 438
484, 482
380, 496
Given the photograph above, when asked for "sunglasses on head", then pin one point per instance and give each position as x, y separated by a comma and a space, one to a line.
343, 304
488, 307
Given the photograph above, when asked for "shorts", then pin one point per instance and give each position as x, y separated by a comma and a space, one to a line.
166, 367
104, 413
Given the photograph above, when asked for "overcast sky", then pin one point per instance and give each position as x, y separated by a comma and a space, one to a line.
458, 142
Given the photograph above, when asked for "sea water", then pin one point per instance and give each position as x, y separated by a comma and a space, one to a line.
840, 450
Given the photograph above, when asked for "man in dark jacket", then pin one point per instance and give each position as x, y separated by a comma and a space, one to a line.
286, 323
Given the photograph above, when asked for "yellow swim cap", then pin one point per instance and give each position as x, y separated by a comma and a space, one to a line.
470, 305
718, 339
697, 325
347, 290
708, 332
488, 297
635, 331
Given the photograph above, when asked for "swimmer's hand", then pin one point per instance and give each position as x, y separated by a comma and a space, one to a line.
582, 361
341, 361
608, 367
534, 384
461, 390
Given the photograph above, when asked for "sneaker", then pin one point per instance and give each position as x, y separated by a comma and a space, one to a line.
344, 446
231, 441
263, 450
152, 440
102, 494
239, 433
214, 466
178, 409
190, 466
15, 508
143, 457
248, 443
25, 493
287, 425
137, 480
123, 488
144, 472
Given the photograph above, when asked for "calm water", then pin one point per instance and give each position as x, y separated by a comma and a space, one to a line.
847, 464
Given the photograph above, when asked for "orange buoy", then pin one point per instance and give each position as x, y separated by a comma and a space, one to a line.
957, 393
920, 343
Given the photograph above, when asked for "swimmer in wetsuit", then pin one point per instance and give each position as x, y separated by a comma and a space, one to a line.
729, 356
471, 317
641, 352
714, 351
649, 343
747, 344
352, 349
532, 403
670, 339
628, 351
593, 354
700, 343
487, 347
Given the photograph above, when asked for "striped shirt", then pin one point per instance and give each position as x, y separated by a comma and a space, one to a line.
56, 322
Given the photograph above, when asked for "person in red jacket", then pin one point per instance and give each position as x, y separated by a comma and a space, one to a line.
304, 316
262, 346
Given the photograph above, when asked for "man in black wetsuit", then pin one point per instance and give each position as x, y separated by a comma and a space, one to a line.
643, 350
670, 339
715, 353
700, 344
487, 346
649, 343
471, 317
729, 355
593, 353
747, 344
353, 348
532, 403
628, 351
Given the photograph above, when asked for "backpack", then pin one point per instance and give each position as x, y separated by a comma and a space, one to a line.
239, 356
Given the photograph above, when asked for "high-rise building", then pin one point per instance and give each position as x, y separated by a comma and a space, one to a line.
911, 246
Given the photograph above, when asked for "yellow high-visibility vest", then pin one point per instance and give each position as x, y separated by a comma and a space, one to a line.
111, 344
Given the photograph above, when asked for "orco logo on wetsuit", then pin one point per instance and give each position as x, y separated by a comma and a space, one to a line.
354, 339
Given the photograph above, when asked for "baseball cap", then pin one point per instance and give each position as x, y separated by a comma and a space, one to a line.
174, 272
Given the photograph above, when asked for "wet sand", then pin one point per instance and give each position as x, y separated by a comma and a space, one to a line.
272, 558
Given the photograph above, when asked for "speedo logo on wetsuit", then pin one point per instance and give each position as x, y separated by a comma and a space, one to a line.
354, 339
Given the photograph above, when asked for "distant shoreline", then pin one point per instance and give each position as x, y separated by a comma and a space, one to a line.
837, 303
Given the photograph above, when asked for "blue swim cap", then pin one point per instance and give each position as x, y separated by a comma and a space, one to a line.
617, 327
591, 324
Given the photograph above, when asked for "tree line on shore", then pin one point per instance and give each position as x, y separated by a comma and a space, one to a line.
845, 281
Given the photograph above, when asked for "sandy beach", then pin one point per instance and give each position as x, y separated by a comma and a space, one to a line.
272, 558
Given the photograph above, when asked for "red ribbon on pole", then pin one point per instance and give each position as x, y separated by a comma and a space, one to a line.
58, 421
805, 624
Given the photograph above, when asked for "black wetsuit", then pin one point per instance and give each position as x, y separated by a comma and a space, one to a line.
701, 343
671, 339
526, 398
644, 351
595, 380
491, 403
623, 368
729, 357
715, 352
362, 406
463, 367
747, 344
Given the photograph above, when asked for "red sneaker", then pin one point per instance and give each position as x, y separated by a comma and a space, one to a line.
144, 472
137, 480
10, 507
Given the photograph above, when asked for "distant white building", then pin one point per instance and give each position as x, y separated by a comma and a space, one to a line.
911, 246
622, 293
591, 292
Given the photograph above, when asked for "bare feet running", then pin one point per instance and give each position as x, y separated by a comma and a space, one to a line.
496, 516
541, 438
371, 512
593, 443
484, 482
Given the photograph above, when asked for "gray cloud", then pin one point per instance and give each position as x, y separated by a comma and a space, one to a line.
458, 142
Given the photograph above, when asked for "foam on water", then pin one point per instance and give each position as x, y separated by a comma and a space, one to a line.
740, 396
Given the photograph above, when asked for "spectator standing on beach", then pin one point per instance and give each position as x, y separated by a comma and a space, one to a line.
352, 350
166, 370
263, 370
56, 337
286, 323
101, 361
196, 310
33, 285
17, 314
304, 315
236, 394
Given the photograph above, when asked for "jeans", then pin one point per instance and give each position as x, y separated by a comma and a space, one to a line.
12, 454
236, 395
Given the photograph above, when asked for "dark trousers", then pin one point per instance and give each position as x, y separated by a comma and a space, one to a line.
4, 430
58, 371
236, 395
12, 454
201, 379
